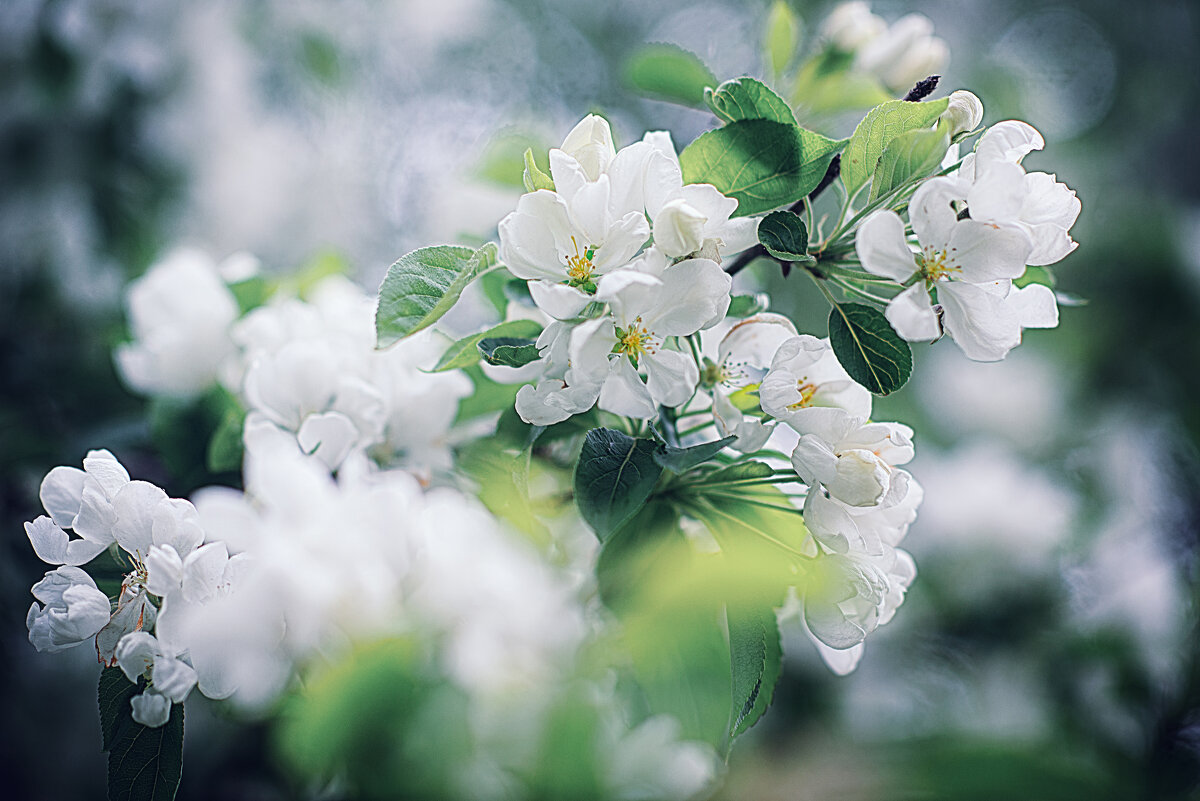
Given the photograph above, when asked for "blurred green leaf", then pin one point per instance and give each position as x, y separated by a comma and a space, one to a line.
679, 460
741, 306
782, 37
144, 764
508, 351
533, 178
866, 345
423, 285
762, 163
668, 72
876, 131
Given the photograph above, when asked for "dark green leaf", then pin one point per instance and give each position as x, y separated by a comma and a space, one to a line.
784, 236
911, 155
762, 163
742, 470
422, 286
741, 306
756, 660
144, 764
465, 351
882, 124
866, 345
508, 351
679, 460
533, 177
615, 475
748, 99
668, 72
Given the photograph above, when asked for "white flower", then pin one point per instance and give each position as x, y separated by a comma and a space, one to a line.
851, 25
808, 389
858, 468
743, 358
962, 115
75, 610
80, 500
179, 313
151, 709
904, 54
998, 190
970, 264
170, 679
590, 143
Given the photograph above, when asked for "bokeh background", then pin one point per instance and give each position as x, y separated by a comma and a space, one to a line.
1048, 648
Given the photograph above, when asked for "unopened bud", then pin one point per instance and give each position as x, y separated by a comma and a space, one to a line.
963, 115
591, 144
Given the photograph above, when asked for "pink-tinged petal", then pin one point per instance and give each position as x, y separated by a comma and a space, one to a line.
560, 301
882, 247
625, 394
61, 494
998, 194
985, 252
930, 210
979, 320
1034, 306
671, 376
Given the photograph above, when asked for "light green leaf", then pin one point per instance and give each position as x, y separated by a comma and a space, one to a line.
423, 285
508, 351
613, 478
882, 124
756, 661
225, 448
748, 99
866, 345
741, 471
533, 177
669, 72
465, 352
784, 236
910, 155
679, 460
1037, 275
762, 163
742, 306
782, 36
144, 764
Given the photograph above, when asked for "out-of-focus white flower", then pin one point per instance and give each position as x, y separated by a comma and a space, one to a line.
808, 389
851, 25
743, 359
651, 762
906, 53
179, 313
970, 264
75, 610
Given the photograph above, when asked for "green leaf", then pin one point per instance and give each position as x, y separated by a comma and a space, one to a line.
748, 99
1036, 275
465, 352
784, 236
882, 124
782, 36
533, 177
741, 306
910, 155
756, 661
422, 286
741, 471
680, 460
225, 448
508, 351
762, 163
866, 345
114, 693
144, 764
668, 72
613, 478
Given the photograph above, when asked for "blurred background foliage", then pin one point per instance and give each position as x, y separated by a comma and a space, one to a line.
1048, 648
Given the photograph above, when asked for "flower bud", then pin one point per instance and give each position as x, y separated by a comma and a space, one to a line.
963, 115
591, 144
679, 228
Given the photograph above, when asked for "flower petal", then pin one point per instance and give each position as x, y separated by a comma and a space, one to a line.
882, 246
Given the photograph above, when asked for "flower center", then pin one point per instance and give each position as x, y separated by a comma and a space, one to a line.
580, 267
937, 264
807, 390
635, 340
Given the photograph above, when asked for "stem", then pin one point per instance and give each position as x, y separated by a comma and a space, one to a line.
845, 286
687, 432
742, 499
